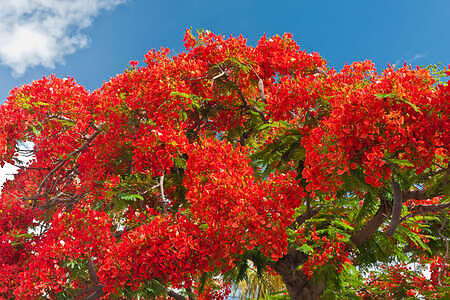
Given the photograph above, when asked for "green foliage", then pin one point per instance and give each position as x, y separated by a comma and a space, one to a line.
378, 249
282, 295
147, 290
394, 96
350, 283
369, 207
328, 276
438, 72
285, 148
250, 278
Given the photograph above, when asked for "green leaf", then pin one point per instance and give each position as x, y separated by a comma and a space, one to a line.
307, 249
203, 226
389, 95
65, 123
35, 130
400, 162
342, 224
131, 197
410, 104
40, 103
179, 162
394, 96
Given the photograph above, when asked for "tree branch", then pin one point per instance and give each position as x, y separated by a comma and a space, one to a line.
425, 209
319, 70
424, 194
261, 90
118, 234
95, 295
245, 103
97, 288
62, 162
62, 118
92, 271
62, 197
419, 195
396, 207
163, 197
444, 221
287, 267
175, 295
361, 236
308, 214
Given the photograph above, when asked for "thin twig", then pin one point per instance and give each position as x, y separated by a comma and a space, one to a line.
62, 162
163, 197
152, 188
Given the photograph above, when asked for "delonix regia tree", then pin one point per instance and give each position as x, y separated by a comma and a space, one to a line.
174, 177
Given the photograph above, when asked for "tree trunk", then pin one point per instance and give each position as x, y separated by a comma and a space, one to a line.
298, 285
302, 288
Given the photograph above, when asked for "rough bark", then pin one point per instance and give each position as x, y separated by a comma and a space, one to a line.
297, 283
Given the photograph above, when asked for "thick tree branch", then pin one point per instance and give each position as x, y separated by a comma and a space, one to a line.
288, 264
96, 291
175, 295
92, 271
445, 258
361, 236
95, 295
425, 194
308, 214
419, 195
425, 209
294, 278
88, 290
396, 207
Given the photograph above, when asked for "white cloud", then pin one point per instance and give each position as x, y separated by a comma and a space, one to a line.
6, 173
42, 32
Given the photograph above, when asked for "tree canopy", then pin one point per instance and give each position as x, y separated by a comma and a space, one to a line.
174, 177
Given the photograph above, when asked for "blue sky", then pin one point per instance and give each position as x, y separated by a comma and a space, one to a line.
92, 40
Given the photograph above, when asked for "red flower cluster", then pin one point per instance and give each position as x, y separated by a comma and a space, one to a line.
332, 251
373, 119
400, 280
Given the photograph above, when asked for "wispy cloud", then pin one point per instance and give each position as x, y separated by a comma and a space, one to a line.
42, 32
416, 57
411, 59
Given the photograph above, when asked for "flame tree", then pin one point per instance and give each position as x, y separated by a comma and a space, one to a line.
177, 173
